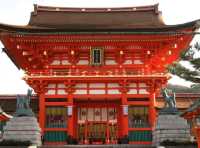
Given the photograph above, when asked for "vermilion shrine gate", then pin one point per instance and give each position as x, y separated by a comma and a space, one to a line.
97, 71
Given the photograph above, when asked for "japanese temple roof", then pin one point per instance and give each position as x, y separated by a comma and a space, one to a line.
192, 108
88, 18
3, 115
60, 19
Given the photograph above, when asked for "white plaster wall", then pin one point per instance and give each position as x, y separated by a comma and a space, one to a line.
83, 62
80, 92
81, 85
132, 91
61, 85
94, 92
97, 85
61, 92
113, 85
113, 91
51, 92
128, 62
133, 85
65, 62
138, 62
143, 91
51, 86
90, 114
110, 62
104, 114
142, 85
55, 62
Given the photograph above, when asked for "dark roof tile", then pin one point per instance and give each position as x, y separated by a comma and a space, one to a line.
96, 18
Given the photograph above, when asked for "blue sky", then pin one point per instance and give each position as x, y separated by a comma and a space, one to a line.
17, 12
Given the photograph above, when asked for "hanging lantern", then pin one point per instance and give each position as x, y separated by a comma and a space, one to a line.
72, 52
175, 45
18, 46
45, 52
24, 53
170, 52
29, 59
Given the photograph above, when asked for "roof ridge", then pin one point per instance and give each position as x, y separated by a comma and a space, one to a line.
38, 8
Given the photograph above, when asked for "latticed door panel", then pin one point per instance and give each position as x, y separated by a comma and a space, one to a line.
97, 123
81, 132
138, 116
56, 117
113, 132
97, 131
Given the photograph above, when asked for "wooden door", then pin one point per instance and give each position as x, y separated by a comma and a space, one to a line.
97, 124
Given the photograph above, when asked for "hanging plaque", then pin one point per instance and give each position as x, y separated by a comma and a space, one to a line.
125, 109
69, 110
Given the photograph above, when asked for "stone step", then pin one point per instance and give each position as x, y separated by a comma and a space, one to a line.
99, 146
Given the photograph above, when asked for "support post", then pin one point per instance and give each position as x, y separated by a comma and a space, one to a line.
71, 116
197, 134
152, 109
124, 111
42, 112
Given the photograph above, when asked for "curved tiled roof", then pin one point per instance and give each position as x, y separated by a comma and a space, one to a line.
126, 19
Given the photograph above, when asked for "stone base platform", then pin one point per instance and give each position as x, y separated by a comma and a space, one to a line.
170, 127
23, 129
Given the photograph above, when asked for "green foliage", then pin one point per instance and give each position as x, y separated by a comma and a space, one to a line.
185, 72
196, 63
195, 88
197, 46
187, 54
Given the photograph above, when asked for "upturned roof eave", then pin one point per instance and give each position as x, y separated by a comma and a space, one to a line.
192, 108
6, 28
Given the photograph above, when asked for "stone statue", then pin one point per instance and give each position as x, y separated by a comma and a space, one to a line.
170, 101
23, 105
23, 126
169, 124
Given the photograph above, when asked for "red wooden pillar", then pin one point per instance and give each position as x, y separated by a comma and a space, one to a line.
75, 119
152, 109
124, 115
71, 116
42, 112
197, 134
